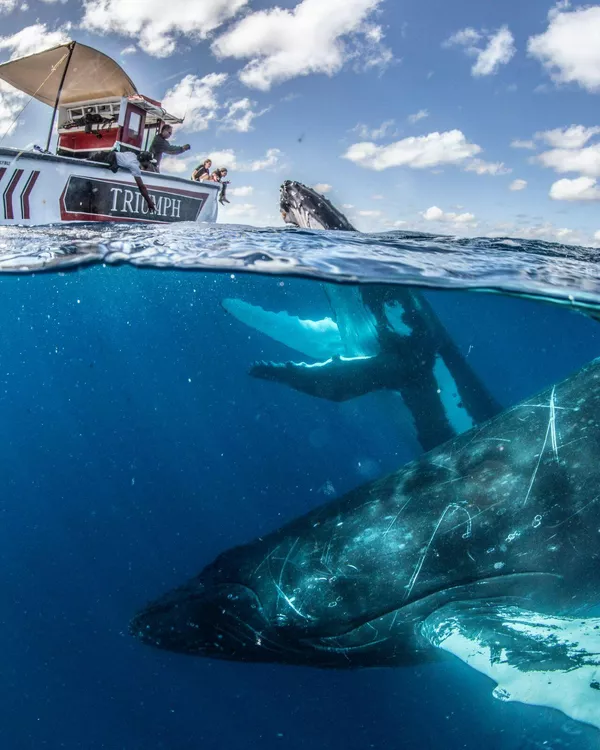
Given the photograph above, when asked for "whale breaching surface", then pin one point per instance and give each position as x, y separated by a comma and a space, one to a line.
486, 548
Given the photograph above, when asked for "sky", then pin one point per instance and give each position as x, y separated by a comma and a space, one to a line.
470, 118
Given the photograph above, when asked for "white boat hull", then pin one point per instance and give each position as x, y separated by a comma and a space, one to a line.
38, 189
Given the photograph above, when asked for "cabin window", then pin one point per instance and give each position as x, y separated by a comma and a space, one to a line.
135, 122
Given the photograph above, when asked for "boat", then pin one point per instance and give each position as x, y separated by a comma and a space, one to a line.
97, 109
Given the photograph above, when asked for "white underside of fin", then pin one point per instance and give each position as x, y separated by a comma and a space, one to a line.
457, 415
560, 670
315, 338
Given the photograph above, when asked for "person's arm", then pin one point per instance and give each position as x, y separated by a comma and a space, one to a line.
145, 193
168, 149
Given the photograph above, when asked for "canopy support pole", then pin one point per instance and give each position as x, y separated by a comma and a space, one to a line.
59, 92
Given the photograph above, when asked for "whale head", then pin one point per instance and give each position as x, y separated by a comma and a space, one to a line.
305, 208
210, 616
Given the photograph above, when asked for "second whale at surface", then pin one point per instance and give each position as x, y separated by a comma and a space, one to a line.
378, 337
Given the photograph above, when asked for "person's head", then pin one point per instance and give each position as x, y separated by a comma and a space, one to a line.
222, 171
207, 163
166, 131
145, 159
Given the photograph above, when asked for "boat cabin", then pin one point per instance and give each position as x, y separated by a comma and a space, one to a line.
86, 127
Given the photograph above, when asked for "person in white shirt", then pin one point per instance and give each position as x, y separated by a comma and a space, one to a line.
133, 163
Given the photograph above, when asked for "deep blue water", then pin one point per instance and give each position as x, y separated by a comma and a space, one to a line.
134, 447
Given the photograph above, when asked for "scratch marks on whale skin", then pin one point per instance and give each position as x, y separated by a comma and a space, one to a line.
577, 512
278, 583
551, 434
452, 508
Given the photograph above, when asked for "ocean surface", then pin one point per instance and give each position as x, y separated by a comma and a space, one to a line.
135, 447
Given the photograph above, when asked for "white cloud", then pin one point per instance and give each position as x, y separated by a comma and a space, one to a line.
479, 166
224, 158
240, 115
374, 134
569, 48
33, 39
516, 185
516, 143
585, 161
238, 211
241, 192
420, 115
465, 38
7, 6
499, 50
313, 37
227, 158
597, 235
548, 232
434, 213
131, 50
575, 136
579, 189
271, 160
378, 197
347, 206
195, 98
423, 152
372, 214
322, 187
176, 164
156, 24
11, 103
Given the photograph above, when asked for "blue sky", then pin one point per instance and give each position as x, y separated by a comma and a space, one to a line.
473, 118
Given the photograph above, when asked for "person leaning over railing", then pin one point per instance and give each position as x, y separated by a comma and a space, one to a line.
217, 176
133, 163
202, 171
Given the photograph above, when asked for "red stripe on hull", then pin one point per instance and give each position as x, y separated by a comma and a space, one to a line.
8, 194
26, 193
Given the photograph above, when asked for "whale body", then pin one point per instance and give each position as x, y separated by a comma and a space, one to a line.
487, 548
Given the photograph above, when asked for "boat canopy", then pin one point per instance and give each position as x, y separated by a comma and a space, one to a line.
90, 74
154, 112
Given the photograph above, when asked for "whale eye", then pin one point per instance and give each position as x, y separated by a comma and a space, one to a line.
424, 477
490, 455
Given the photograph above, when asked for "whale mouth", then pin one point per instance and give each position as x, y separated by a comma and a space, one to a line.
225, 620
305, 208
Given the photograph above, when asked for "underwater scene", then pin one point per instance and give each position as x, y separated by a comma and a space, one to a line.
247, 505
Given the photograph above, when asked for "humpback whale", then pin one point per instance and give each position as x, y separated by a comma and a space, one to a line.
486, 548
379, 337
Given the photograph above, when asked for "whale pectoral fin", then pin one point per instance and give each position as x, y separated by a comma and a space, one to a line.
337, 379
534, 658
315, 338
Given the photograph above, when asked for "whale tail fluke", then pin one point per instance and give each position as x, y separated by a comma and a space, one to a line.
535, 658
